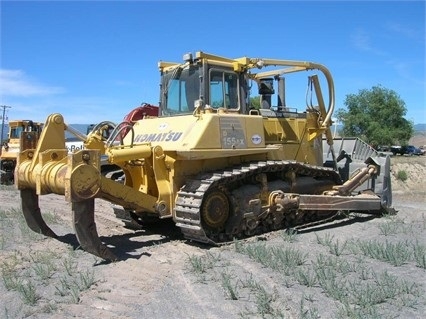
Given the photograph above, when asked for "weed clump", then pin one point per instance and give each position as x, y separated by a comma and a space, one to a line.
402, 176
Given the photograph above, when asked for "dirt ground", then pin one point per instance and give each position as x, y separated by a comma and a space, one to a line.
356, 267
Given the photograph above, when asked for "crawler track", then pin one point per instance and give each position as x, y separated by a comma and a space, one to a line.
193, 196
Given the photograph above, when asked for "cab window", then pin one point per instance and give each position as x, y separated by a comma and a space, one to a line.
16, 132
223, 90
183, 88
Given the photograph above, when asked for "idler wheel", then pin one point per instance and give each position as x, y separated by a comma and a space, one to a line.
215, 210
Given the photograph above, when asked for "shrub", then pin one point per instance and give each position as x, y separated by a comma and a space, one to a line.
402, 175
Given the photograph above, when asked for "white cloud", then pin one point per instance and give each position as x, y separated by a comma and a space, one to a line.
17, 83
75, 109
405, 31
362, 41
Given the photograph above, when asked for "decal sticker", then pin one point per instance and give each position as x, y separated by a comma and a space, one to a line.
232, 133
256, 139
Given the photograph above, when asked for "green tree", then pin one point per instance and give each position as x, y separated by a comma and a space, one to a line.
376, 116
255, 102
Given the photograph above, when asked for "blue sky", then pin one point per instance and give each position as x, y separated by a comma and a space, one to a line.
96, 60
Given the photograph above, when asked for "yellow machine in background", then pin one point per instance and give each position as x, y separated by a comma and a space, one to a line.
220, 168
12, 146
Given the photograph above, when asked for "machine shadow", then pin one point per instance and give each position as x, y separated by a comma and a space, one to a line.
126, 246
340, 221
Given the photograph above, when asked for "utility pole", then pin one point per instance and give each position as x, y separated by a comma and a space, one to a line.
2, 122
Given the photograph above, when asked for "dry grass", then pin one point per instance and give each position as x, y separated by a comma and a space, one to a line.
357, 269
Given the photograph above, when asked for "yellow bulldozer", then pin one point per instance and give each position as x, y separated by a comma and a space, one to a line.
11, 147
219, 167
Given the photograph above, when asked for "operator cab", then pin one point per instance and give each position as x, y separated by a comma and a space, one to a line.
17, 127
215, 84
199, 81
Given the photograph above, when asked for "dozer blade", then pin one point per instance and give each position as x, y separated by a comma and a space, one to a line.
32, 213
85, 229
